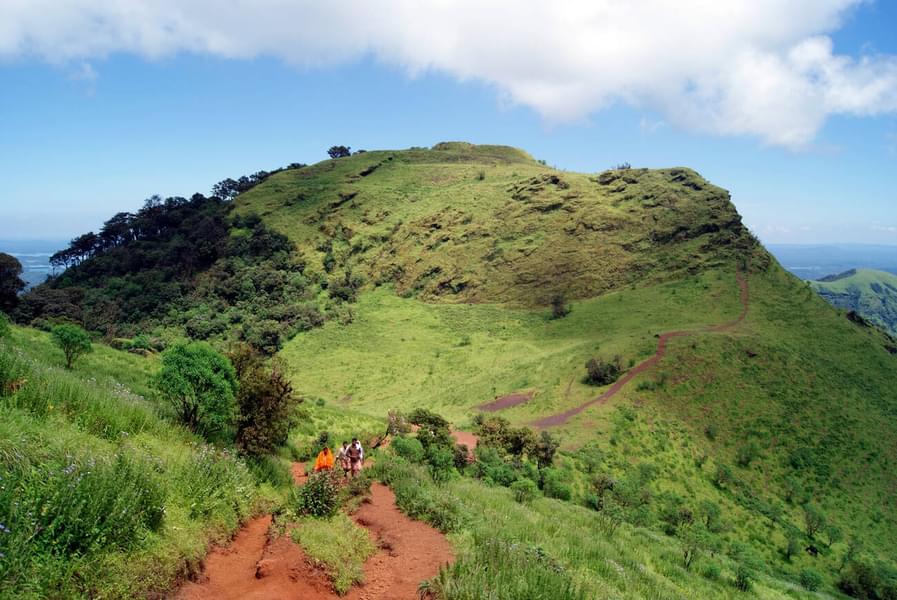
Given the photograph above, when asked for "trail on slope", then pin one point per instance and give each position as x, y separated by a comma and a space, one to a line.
257, 566
663, 340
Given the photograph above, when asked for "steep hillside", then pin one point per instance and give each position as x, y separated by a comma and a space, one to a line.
869, 293
102, 496
464, 223
788, 411
746, 406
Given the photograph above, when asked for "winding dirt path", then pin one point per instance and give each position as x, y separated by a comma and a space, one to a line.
663, 340
257, 566
411, 551
507, 401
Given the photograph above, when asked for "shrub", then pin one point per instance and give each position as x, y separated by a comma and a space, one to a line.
814, 520
267, 407
442, 463
792, 545
524, 490
73, 341
408, 448
554, 484
199, 384
810, 580
711, 570
559, 307
723, 476
746, 453
339, 151
4, 325
545, 449
602, 372
746, 568
434, 430
319, 497
461, 456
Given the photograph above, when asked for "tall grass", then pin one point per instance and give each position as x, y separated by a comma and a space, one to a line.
99, 496
339, 545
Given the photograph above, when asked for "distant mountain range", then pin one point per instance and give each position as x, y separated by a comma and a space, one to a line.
871, 294
820, 260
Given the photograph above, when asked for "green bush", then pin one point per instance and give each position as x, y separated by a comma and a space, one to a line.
266, 404
73, 341
199, 384
4, 325
810, 580
524, 490
320, 496
711, 570
603, 372
441, 461
554, 484
748, 564
408, 448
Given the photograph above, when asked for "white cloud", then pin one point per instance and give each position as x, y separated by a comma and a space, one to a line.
884, 228
761, 68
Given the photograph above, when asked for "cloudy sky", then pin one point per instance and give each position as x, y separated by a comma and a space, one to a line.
790, 104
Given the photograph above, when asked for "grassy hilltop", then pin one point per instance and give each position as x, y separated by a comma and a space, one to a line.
425, 278
871, 294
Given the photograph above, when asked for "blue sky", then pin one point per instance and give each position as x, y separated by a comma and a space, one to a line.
94, 131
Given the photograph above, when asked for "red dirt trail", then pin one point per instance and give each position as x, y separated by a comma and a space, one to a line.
297, 470
411, 551
465, 437
563, 417
255, 566
507, 401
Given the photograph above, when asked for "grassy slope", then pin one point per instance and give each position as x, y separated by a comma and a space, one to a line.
872, 294
62, 427
467, 262
425, 221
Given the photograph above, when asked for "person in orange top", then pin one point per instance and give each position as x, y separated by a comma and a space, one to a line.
324, 460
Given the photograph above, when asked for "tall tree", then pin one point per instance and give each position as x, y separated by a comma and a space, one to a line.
10, 282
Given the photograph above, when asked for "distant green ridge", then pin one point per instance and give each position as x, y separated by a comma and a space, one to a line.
871, 294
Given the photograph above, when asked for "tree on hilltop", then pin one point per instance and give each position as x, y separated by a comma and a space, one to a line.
339, 151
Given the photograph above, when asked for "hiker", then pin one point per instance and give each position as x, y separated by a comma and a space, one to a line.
343, 457
356, 457
324, 462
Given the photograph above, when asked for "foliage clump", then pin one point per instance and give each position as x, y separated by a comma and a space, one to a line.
603, 372
10, 282
199, 384
73, 341
265, 402
320, 496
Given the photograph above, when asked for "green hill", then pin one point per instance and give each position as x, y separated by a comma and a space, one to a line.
869, 293
429, 274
